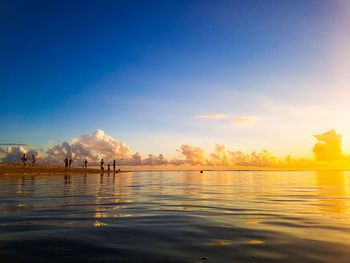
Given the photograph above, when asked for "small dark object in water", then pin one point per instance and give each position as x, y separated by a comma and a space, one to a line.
204, 258
201, 172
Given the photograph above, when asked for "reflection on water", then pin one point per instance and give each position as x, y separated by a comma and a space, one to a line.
176, 217
332, 190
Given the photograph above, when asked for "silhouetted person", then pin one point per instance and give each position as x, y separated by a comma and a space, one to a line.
70, 162
66, 162
114, 166
86, 164
102, 165
33, 160
109, 168
24, 159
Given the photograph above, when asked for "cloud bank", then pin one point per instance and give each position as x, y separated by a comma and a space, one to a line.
98, 145
14, 154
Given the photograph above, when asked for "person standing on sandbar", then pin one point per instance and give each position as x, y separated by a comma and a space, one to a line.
114, 166
66, 162
24, 159
34, 160
85, 164
102, 165
70, 162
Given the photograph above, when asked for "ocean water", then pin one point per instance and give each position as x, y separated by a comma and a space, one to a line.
216, 216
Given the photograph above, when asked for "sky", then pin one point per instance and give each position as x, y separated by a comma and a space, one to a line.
157, 75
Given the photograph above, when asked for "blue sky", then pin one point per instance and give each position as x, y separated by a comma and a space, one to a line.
146, 71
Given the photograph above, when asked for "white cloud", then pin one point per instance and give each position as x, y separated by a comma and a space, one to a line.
212, 116
193, 155
92, 147
243, 120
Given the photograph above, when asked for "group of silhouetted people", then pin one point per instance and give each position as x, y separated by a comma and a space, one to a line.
102, 165
68, 163
25, 159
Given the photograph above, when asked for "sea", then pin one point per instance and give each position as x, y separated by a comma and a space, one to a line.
176, 216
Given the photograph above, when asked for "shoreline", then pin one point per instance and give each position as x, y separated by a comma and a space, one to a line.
13, 169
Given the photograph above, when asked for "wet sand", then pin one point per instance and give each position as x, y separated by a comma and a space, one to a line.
176, 217
8, 169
